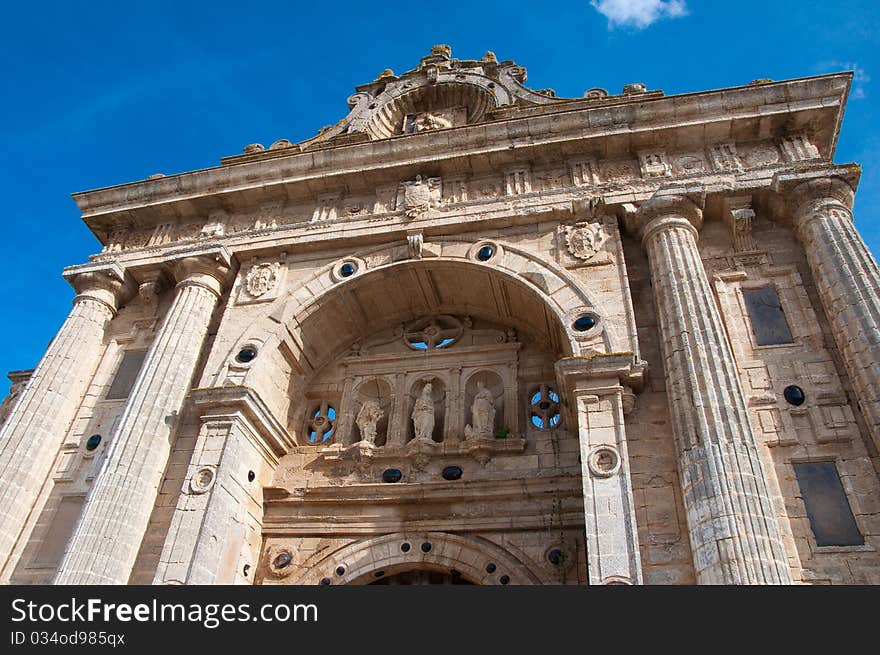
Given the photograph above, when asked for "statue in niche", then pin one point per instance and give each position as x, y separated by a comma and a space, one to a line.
368, 419
482, 413
423, 414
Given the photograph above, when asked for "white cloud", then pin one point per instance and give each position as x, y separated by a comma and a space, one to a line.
638, 13
860, 77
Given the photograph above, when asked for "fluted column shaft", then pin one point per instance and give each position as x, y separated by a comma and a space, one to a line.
40, 419
105, 543
848, 281
733, 529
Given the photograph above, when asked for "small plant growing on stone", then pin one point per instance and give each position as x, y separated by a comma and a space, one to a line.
501, 433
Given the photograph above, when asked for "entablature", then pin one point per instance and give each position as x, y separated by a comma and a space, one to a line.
742, 131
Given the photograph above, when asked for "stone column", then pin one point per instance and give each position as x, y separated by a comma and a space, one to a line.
596, 398
848, 282
106, 541
733, 528
41, 416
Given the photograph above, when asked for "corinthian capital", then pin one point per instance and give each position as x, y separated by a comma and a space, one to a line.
105, 283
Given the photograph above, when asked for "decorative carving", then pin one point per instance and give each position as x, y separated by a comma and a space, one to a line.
584, 240
253, 147
212, 230
485, 189
162, 233
261, 279
725, 157
550, 180
327, 207
517, 181
654, 163
483, 414
584, 172
620, 171
739, 216
426, 121
454, 190
689, 164
423, 414
420, 195
604, 461
798, 148
368, 419
634, 88
434, 332
202, 480
386, 198
415, 241
762, 155
595, 93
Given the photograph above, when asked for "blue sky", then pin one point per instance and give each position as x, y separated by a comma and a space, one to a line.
102, 93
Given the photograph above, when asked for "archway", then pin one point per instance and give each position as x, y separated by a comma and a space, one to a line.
472, 560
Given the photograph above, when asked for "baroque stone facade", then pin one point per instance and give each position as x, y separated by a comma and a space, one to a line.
472, 333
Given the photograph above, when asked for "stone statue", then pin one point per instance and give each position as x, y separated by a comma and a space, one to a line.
482, 413
430, 121
423, 414
368, 419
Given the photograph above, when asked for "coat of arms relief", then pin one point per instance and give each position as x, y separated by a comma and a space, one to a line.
585, 240
419, 196
261, 283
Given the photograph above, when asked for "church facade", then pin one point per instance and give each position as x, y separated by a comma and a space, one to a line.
473, 333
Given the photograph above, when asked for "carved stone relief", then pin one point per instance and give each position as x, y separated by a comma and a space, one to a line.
584, 240
420, 196
725, 157
761, 155
654, 163
261, 283
619, 171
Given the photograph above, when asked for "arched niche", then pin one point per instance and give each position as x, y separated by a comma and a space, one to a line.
440, 400
376, 390
491, 387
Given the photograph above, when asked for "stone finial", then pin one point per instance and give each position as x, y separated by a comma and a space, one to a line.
253, 147
385, 74
490, 57
441, 49
634, 88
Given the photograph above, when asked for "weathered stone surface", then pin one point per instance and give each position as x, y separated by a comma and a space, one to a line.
599, 411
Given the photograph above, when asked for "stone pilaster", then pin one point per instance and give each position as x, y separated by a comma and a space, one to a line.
848, 282
733, 529
39, 420
215, 533
596, 400
106, 541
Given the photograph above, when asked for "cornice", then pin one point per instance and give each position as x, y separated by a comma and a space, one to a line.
750, 112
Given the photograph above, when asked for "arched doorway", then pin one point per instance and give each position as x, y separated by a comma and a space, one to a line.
422, 577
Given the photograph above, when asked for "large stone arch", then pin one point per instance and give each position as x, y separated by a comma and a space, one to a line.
514, 275
468, 555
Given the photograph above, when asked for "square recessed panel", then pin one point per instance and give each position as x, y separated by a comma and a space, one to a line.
829, 512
